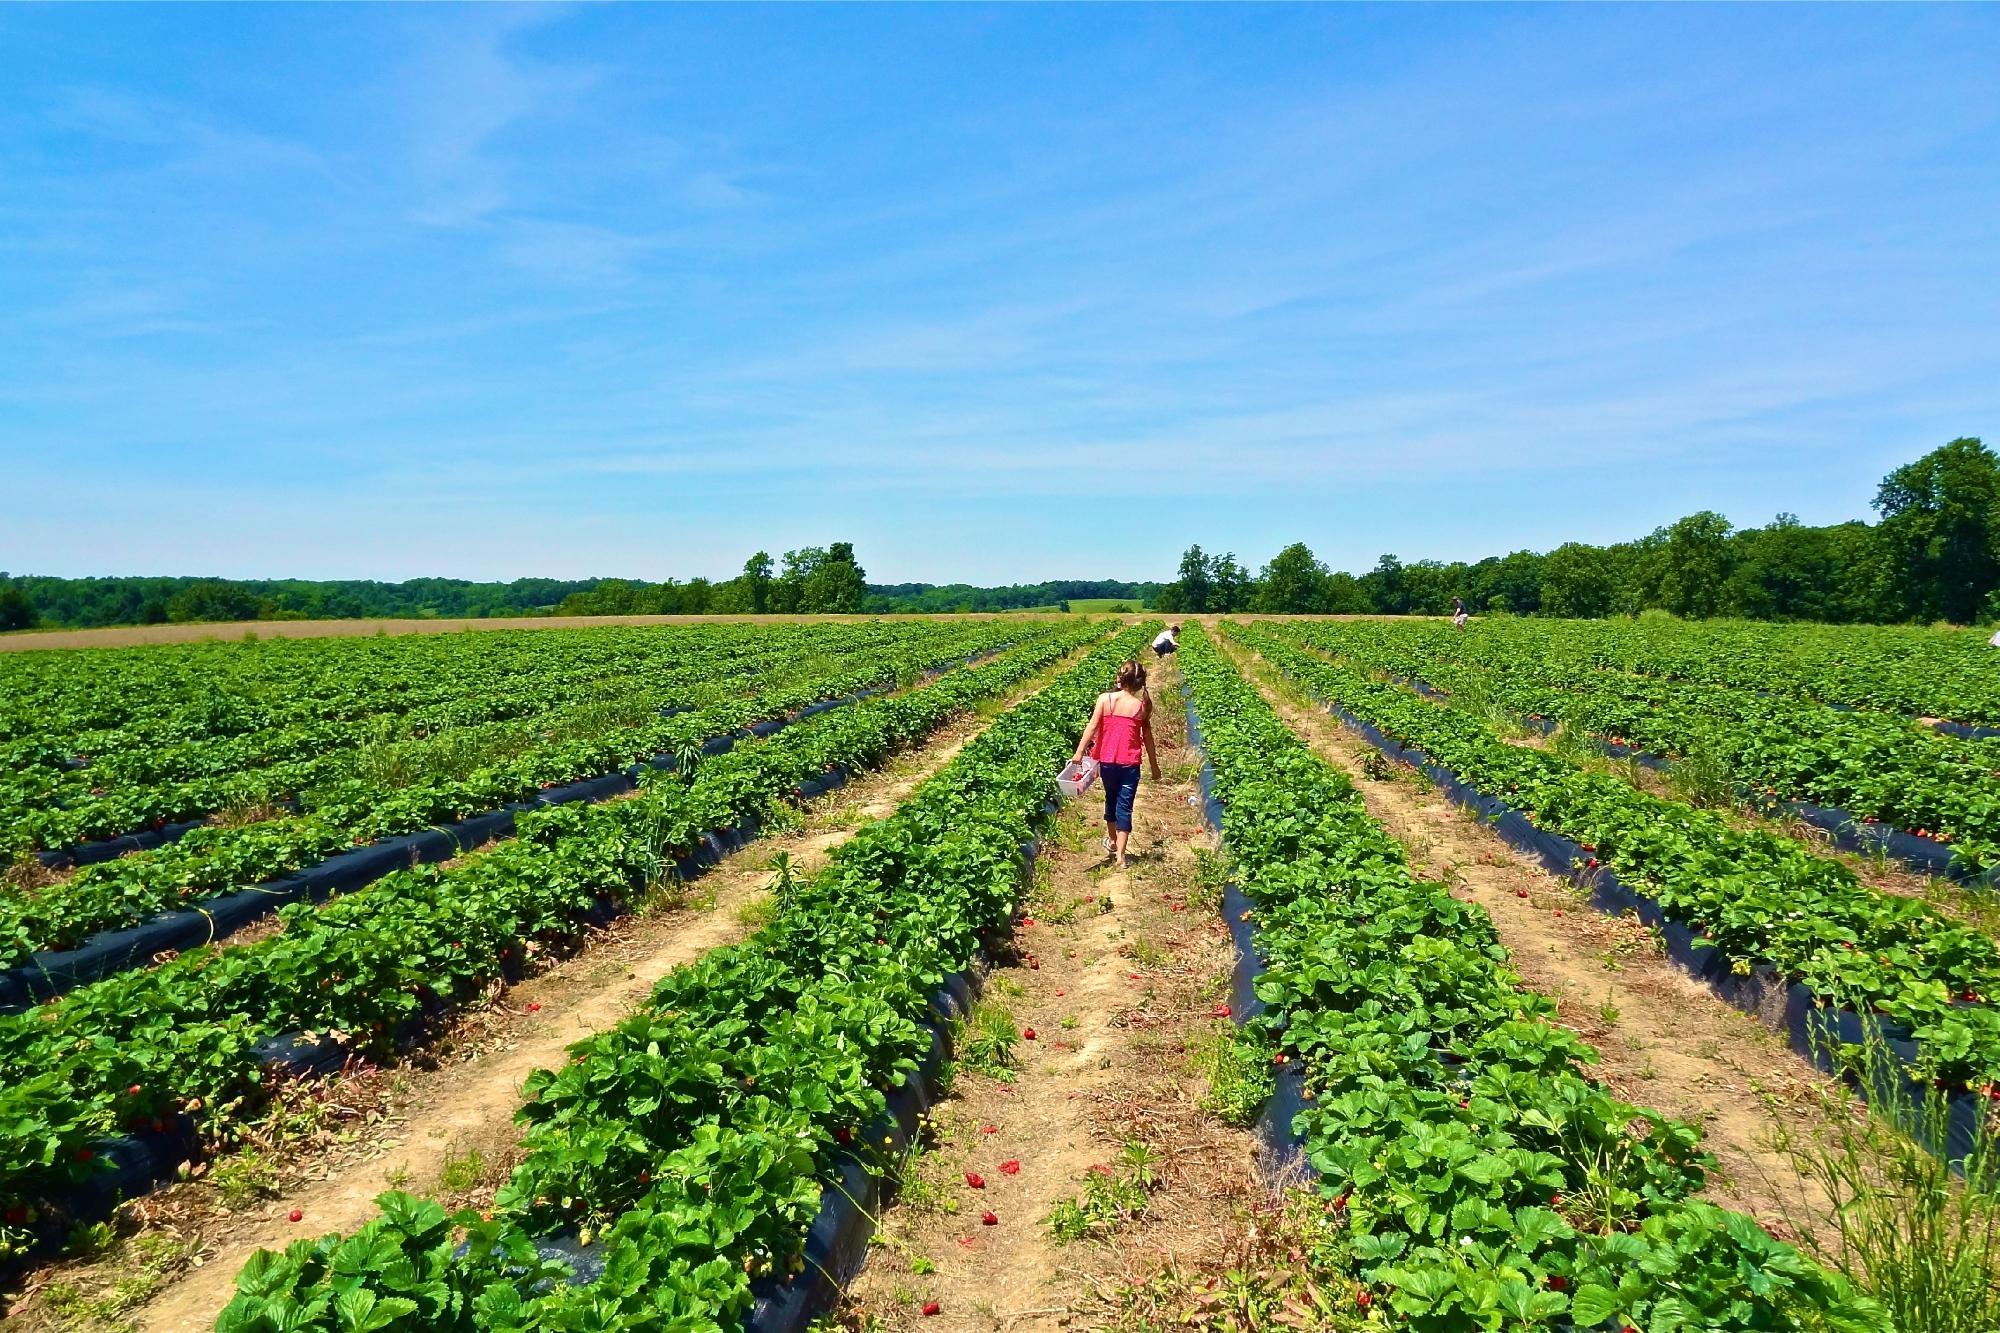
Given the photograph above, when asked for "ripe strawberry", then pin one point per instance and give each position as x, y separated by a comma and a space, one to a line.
1010, 1167
84, 1155
296, 1215
1058, 995
1222, 1011
1280, 1058
843, 1135
930, 1307
989, 1129
1034, 965
1520, 893
975, 1180
1555, 1201
1363, 1299
17, 1216
1340, 1202
134, 1090
534, 1008
1557, 1282
988, 1220
1029, 1033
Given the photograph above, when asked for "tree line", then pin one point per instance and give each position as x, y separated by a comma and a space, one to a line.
1934, 555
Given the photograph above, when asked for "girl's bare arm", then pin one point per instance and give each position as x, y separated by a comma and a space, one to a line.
1089, 732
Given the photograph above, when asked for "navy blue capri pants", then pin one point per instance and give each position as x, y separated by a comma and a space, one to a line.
1121, 784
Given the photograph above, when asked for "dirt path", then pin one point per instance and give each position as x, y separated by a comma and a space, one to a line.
1119, 975
446, 1130
1667, 1042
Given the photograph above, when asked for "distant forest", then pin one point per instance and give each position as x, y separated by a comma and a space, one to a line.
813, 579
1934, 554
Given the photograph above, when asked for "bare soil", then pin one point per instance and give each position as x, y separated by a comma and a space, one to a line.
1666, 1041
1119, 975
444, 1128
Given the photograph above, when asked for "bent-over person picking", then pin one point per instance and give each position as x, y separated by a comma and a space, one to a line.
1121, 725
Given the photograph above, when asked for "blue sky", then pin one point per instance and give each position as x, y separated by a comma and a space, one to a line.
995, 293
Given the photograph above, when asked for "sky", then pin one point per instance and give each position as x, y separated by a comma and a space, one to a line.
997, 294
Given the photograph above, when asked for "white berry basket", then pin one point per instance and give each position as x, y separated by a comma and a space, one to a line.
1076, 777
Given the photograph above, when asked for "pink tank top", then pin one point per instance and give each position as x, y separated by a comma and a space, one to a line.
1118, 739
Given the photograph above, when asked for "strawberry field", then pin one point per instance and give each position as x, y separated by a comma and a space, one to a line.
719, 1154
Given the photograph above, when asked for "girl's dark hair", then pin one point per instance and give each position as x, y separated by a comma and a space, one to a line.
1132, 676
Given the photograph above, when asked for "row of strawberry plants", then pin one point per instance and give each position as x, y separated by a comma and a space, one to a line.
325, 763
1482, 1179
1901, 669
694, 1143
354, 813
78, 790
189, 1038
1761, 901
1882, 769
109, 702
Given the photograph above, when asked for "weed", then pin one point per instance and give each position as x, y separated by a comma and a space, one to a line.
1608, 1011
986, 1040
461, 1175
1238, 1071
243, 1178
1111, 1196
1923, 1243
758, 913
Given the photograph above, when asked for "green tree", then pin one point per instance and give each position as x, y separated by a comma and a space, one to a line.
1693, 564
1941, 530
1577, 583
16, 611
215, 599
757, 582
836, 583
1229, 585
1294, 583
1387, 592
1190, 589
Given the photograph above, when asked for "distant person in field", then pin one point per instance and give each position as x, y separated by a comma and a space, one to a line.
1121, 725
1167, 642
1459, 615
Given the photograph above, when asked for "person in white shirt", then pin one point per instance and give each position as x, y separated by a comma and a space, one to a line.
1166, 643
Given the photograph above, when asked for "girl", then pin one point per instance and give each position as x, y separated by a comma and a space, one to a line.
1121, 723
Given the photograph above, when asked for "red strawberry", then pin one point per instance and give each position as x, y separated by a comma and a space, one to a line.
84, 1154
296, 1215
1222, 1011
989, 1129
1363, 1299
1058, 995
1557, 1282
1340, 1202
988, 1220
930, 1307
16, 1216
534, 1008
1520, 893
1279, 1058
1029, 1033
975, 1180
1559, 911
1034, 965
1555, 1201
843, 1135
1010, 1167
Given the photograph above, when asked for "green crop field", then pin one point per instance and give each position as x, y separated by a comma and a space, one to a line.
435, 819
